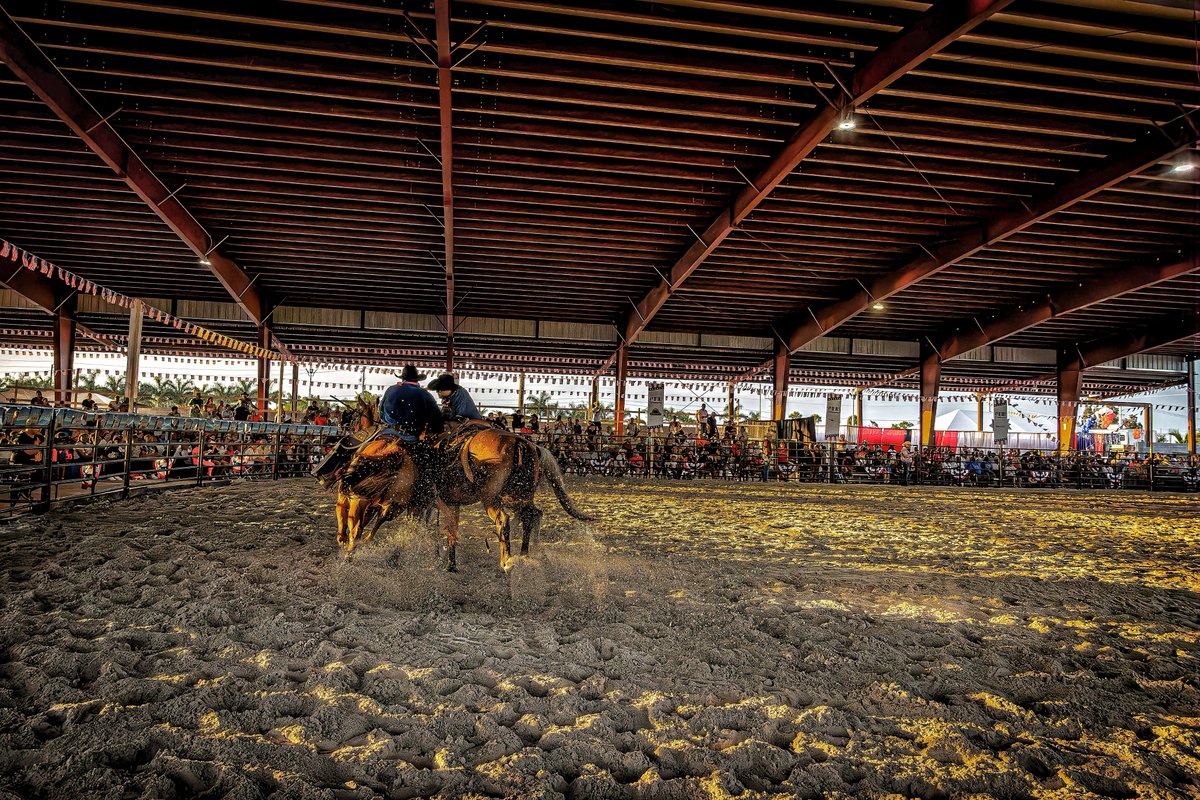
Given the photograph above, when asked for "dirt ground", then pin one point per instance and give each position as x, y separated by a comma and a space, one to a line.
701, 640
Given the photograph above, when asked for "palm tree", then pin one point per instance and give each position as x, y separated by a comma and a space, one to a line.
181, 391
162, 391
538, 404
87, 382
26, 382
114, 385
244, 386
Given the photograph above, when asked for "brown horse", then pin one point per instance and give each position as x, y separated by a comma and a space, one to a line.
380, 479
502, 471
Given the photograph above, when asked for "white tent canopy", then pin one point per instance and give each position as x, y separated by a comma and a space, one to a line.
955, 421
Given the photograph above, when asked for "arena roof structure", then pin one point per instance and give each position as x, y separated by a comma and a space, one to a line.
846, 192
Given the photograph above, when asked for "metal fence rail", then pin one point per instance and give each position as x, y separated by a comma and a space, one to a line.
684, 458
53, 456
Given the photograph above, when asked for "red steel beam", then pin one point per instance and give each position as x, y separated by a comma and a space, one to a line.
938, 27
1098, 288
441, 11
1156, 146
46, 294
1163, 331
66, 328
34, 68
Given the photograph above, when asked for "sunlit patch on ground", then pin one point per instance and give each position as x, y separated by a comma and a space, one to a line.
702, 640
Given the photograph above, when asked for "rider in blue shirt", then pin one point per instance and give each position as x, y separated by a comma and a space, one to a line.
410, 410
458, 402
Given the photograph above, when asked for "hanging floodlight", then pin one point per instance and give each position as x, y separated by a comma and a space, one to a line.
1183, 166
846, 121
878, 307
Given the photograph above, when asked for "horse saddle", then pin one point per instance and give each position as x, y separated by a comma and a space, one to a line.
460, 445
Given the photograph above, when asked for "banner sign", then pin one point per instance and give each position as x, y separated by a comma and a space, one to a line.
833, 416
1000, 421
654, 404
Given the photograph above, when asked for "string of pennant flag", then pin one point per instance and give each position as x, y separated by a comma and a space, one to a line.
431, 358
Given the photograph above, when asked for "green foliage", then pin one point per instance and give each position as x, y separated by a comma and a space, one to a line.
540, 404
26, 382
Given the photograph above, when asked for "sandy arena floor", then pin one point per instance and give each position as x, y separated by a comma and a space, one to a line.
703, 640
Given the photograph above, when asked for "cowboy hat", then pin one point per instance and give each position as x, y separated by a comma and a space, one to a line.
443, 383
410, 374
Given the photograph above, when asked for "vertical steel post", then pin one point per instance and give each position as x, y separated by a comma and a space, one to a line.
1070, 383
931, 375
619, 399
781, 365
133, 354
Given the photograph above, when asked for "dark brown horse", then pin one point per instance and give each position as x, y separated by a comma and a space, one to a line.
379, 480
502, 471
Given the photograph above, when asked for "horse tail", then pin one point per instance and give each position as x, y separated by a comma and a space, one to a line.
552, 474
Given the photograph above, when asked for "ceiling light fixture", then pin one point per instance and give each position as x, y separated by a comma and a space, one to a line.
878, 306
204, 262
1183, 166
847, 122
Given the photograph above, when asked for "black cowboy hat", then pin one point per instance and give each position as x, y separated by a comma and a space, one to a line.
410, 374
444, 382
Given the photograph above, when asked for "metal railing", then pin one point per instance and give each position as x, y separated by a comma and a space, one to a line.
50, 457
53, 456
686, 457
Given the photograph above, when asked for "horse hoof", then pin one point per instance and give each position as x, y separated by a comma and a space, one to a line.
451, 568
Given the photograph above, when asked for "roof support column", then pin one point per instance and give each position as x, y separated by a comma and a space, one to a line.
931, 377
732, 406
1070, 384
1193, 386
64, 352
295, 390
279, 394
133, 356
782, 365
619, 403
441, 10
264, 368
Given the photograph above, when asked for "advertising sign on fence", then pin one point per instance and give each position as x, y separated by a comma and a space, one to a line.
1000, 421
833, 416
655, 397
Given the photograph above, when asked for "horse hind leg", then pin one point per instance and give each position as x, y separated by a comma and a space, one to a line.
383, 513
531, 526
343, 519
448, 516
